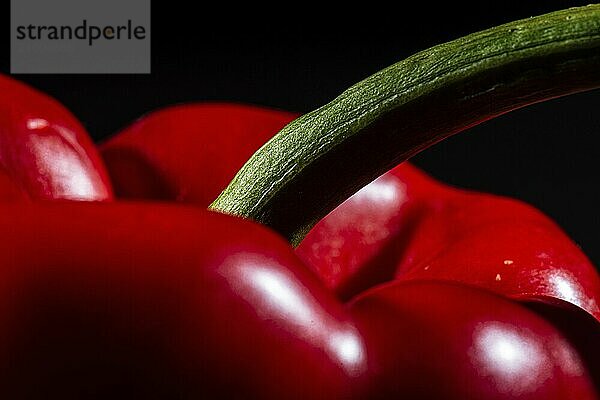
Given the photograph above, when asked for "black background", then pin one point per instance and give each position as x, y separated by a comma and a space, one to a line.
299, 56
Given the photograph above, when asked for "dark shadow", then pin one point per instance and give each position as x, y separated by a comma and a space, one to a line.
134, 177
382, 267
580, 328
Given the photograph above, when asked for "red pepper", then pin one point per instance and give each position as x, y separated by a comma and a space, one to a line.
44, 149
226, 135
396, 223
156, 300
163, 300
403, 223
406, 226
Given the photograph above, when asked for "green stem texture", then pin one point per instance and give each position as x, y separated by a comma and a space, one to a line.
323, 157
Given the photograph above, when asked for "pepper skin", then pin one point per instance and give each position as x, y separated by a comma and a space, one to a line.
9, 191
207, 145
405, 219
45, 150
170, 300
393, 227
159, 301
437, 341
212, 305
406, 226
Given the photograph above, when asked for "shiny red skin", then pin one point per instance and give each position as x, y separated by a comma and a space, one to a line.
45, 150
111, 298
433, 340
366, 241
359, 243
188, 153
407, 226
162, 301
404, 225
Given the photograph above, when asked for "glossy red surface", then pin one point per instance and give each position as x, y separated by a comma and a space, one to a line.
406, 226
428, 340
190, 152
113, 298
359, 243
45, 150
160, 301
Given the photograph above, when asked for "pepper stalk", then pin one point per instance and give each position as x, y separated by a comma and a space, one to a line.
323, 157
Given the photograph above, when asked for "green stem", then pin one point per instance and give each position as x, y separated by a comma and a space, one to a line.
323, 157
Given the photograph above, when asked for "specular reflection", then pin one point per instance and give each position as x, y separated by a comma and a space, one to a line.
69, 173
511, 357
277, 295
382, 190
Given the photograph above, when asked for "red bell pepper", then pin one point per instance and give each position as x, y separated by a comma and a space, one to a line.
167, 300
163, 301
143, 167
44, 149
405, 225
404, 221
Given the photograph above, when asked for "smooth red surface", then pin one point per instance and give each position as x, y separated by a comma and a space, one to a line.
44, 149
190, 152
429, 340
359, 243
406, 226
108, 298
9, 191
161, 301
